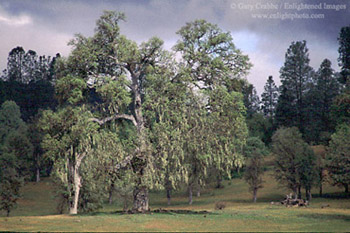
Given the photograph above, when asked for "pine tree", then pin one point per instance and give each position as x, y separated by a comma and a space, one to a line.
15, 66
295, 76
269, 98
285, 111
25, 67
344, 54
251, 99
320, 98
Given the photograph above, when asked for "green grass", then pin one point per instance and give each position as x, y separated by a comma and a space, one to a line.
37, 212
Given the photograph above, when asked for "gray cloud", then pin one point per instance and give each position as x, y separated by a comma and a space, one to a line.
47, 25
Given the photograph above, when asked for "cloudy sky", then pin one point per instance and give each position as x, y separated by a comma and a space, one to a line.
262, 29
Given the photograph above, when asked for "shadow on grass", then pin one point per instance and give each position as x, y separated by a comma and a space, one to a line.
326, 216
333, 195
156, 211
264, 199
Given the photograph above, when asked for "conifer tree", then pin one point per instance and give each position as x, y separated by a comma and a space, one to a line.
296, 75
344, 54
319, 101
269, 98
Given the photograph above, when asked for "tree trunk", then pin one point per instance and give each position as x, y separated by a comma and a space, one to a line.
37, 175
140, 192
168, 195
190, 194
110, 194
218, 181
125, 200
321, 179
255, 191
8, 213
199, 191
140, 199
110, 199
299, 192
346, 186
73, 209
308, 194
295, 192
76, 182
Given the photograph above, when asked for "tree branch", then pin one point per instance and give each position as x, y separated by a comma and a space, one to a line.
115, 117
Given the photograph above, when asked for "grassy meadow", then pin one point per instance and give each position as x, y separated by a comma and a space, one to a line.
36, 211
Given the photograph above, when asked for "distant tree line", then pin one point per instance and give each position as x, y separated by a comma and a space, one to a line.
309, 107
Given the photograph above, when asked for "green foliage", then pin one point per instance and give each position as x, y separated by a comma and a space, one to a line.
338, 156
70, 89
255, 148
124, 187
175, 131
113, 145
285, 111
228, 128
28, 80
166, 111
261, 123
344, 54
212, 63
197, 145
30, 97
25, 67
10, 185
261, 127
10, 119
210, 56
14, 138
340, 109
296, 75
319, 100
254, 152
15, 153
251, 100
269, 98
68, 142
295, 162
116, 98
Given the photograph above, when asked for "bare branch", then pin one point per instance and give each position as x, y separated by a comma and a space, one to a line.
123, 65
115, 117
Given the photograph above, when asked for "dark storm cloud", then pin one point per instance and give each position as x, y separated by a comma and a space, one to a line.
47, 25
